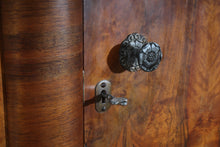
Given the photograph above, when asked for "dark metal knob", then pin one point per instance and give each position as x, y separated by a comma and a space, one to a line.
136, 53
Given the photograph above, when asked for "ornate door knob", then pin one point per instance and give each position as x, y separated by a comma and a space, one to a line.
136, 53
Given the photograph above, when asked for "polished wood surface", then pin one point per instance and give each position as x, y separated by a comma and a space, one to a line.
175, 105
42, 59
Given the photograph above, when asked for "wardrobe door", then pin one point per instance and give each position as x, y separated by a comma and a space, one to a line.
176, 104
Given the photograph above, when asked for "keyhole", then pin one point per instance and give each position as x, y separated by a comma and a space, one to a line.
103, 97
103, 85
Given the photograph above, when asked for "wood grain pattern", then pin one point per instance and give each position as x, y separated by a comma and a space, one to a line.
175, 105
42, 58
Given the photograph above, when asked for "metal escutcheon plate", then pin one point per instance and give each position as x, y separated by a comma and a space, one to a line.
102, 106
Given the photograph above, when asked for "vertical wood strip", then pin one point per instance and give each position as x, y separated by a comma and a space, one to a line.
42, 58
2, 116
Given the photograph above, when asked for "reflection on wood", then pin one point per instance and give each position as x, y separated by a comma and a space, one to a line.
175, 105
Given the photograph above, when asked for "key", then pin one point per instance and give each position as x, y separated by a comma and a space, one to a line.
115, 100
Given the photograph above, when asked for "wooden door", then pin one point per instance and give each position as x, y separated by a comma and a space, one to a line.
175, 105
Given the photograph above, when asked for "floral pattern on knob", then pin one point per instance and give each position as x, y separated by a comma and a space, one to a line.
136, 53
150, 57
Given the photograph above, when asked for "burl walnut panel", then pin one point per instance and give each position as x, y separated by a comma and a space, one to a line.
42, 67
175, 105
